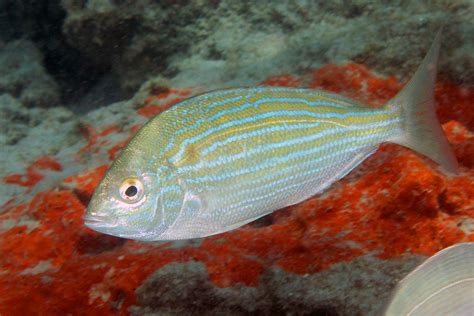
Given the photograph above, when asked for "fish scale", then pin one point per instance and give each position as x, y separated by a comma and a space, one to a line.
284, 133
247, 164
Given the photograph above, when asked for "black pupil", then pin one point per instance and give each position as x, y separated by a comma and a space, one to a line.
131, 191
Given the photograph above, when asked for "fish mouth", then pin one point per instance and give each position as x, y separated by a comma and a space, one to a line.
94, 221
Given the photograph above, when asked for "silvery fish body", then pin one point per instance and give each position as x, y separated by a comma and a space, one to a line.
442, 285
222, 159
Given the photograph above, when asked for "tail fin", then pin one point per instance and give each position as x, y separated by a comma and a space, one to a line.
421, 129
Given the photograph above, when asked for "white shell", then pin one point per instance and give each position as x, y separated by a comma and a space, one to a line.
442, 285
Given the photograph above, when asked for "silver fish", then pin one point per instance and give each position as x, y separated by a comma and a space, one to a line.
442, 285
220, 160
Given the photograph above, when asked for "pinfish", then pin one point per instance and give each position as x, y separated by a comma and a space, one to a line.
442, 285
219, 160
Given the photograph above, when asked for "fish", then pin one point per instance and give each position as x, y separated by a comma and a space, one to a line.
442, 285
222, 159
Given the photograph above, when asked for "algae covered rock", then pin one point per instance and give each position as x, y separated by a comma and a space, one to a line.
184, 288
23, 76
229, 42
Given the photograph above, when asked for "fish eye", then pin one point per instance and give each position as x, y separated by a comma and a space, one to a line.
131, 190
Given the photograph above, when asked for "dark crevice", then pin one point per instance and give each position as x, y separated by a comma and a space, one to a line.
92, 244
42, 22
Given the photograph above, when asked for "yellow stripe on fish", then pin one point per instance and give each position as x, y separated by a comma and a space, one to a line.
222, 159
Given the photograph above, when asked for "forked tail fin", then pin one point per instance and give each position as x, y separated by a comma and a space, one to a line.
421, 130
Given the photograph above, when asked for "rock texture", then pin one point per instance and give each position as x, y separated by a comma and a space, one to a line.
179, 289
23, 76
215, 42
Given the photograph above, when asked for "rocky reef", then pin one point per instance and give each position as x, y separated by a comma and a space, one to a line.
338, 253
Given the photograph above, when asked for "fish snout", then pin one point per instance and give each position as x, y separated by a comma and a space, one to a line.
93, 220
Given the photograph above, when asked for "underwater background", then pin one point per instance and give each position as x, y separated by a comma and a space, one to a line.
78, 78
